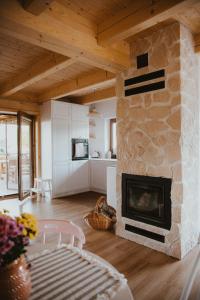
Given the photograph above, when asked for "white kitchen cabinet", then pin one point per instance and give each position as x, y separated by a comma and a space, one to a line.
58, 126
61, 182
80, 175
79, 121
79, 113
60, 109
79, 129
61, 140
98, 174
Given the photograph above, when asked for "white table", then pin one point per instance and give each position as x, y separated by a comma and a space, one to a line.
125, 293
68, 273
13, 206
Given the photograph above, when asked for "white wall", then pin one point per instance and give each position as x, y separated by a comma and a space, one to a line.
107, 110
199, 135
46, 140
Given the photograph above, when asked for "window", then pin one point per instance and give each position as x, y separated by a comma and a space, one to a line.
113, 138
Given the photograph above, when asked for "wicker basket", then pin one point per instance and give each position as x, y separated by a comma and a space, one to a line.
103, 207
97, 218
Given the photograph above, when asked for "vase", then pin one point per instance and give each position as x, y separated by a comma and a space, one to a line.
15, 280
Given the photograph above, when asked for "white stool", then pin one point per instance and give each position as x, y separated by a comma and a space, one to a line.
41, 186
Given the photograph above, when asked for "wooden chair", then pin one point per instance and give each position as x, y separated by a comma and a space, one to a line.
41, 186
62, 227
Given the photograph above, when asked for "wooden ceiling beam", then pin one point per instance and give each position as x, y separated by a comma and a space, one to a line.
61, 12
36, 7
197, 42
97, 96
22, 96
138, 17
83, 83
13, 105
49, 32
42, 68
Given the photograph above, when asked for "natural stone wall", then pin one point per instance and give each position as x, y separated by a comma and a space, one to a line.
189, 141
152, 139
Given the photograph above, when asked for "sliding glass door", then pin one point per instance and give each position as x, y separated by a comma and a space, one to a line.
25, 150
16, 154
8, 155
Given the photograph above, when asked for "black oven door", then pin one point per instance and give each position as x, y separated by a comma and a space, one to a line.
80, 149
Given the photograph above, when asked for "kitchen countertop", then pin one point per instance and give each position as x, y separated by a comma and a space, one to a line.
106, 159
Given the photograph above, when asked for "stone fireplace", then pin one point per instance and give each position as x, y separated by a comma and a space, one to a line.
158, 142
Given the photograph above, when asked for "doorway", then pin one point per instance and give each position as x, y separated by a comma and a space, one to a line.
16, 155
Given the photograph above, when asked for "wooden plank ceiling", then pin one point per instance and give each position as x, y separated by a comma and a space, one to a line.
73, 48
60, 77
16, 56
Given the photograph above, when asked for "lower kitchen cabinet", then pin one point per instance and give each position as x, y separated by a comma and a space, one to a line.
79, 177
61, 175
70, 178
98, 174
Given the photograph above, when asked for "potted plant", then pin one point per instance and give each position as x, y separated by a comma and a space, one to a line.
15, 234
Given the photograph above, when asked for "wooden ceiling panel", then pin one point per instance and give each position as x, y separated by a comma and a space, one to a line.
98, 10
49, 31
93, 35
93, 91
98, 95
147, 14
16, 56
89, 80
59, 77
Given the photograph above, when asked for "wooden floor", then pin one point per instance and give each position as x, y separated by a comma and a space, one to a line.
151, 275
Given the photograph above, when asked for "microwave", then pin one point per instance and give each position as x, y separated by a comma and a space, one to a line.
80, 149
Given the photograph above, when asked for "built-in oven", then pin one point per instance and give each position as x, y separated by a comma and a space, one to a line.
80, 149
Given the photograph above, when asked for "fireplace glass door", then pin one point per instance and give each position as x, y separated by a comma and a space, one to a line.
145, 200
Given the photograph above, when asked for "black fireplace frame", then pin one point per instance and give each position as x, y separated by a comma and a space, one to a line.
161, 183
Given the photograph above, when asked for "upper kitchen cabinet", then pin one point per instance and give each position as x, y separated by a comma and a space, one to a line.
79, 130
60, 109
79, 121
61, 139
79, 113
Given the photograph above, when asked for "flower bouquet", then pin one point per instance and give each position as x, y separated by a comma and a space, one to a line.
15, 234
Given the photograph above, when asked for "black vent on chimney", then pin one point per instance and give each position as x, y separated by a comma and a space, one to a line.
142, 61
